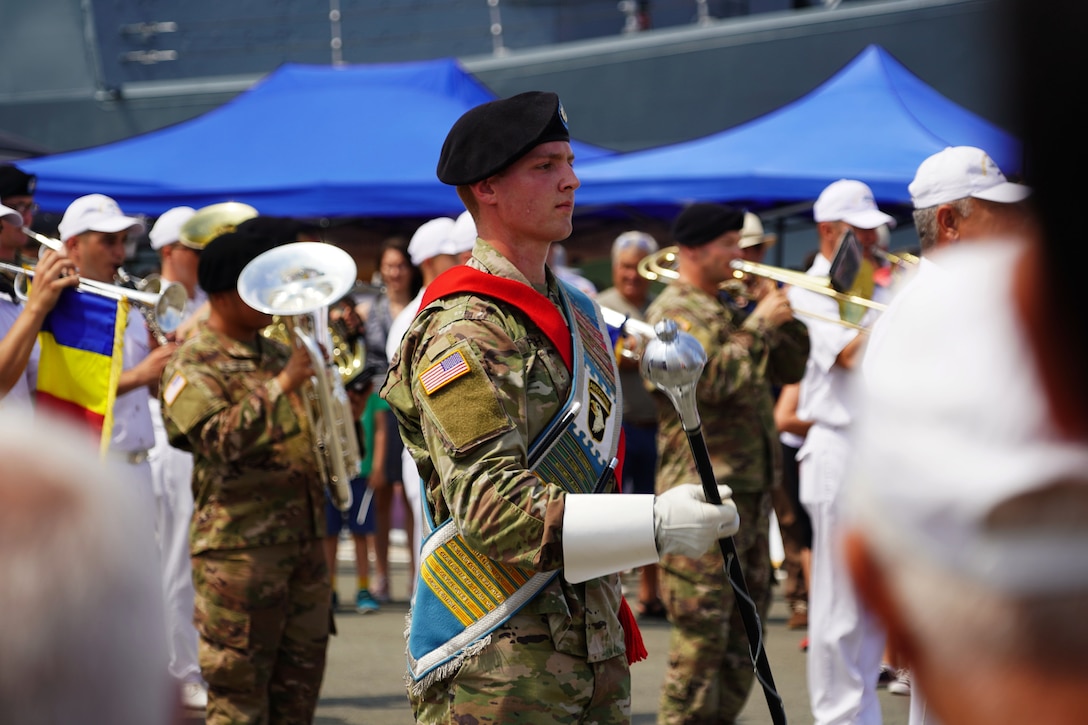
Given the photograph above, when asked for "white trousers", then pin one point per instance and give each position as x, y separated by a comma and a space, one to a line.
845, 641
415, 501
172, 473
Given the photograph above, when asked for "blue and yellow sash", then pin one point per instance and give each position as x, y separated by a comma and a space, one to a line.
461, 595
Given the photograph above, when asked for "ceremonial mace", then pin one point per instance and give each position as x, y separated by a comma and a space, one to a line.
673, 361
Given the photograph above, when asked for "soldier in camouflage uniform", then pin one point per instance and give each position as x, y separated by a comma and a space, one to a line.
230, 396
710, 671
560, 657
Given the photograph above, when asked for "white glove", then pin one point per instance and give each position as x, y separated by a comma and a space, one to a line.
685, 524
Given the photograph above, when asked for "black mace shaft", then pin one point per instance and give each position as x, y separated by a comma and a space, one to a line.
749, 614
673, 361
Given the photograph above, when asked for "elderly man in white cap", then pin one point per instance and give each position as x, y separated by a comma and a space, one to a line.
438, 245
172, 471
960, 195
19, 322
845, 641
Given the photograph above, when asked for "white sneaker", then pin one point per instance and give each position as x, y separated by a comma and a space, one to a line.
194, 695
901, 684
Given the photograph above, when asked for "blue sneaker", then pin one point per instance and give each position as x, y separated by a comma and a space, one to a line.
365, 603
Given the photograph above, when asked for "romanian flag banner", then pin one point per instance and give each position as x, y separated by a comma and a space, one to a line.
80, 361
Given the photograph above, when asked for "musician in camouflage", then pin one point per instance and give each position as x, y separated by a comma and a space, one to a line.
230, 396
710, 671
561, 657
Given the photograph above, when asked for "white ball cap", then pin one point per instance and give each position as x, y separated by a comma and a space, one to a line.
167, 228
10, 216
958, 172
463, 235
95, 213
431, 239
852, 202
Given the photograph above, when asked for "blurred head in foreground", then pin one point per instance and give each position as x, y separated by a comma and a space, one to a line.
82, 631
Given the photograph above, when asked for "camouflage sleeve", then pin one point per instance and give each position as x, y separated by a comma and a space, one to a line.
476, 427
789, 345
201, 414
735, 356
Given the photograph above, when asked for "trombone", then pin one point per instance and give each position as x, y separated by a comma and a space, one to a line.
661, 266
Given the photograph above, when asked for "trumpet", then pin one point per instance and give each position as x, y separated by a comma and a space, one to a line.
165, 307
298, 282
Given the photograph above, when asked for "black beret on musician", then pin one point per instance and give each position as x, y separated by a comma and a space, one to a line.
491, 136
276, 229
16, 182
225, 257
702, 223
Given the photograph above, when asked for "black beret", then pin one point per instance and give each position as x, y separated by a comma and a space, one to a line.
16, 182
276, 229
491, 136
699, 224
224, 258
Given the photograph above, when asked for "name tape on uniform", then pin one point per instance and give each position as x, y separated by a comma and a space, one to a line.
449, 368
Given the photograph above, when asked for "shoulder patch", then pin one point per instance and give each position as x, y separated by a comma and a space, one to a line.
468, 412
176, 385
448, 368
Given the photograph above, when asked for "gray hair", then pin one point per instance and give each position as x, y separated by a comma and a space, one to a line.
82, 627
925, 221
633, 240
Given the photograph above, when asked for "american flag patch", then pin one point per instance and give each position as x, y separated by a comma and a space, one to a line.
448, 368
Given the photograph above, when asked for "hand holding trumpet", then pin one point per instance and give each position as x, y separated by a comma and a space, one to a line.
53, 273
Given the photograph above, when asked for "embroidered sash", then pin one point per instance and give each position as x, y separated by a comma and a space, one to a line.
461, 595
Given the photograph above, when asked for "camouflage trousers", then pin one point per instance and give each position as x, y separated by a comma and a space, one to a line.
520, 679
263, 618
709, 673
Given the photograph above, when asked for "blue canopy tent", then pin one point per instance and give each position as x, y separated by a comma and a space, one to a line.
874, 121
306, 141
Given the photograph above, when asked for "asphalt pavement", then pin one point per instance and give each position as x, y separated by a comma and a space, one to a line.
364, 679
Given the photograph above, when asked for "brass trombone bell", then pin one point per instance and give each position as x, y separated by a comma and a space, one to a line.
661, 265
210, 221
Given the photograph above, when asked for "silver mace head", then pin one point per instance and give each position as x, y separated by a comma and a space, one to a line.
673, 361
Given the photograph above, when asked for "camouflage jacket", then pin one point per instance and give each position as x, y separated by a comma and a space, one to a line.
470, 442
734, 393
255, 477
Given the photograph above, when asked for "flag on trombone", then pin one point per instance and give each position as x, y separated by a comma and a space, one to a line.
80, 362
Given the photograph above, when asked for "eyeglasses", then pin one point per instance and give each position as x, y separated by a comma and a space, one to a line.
24, 207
